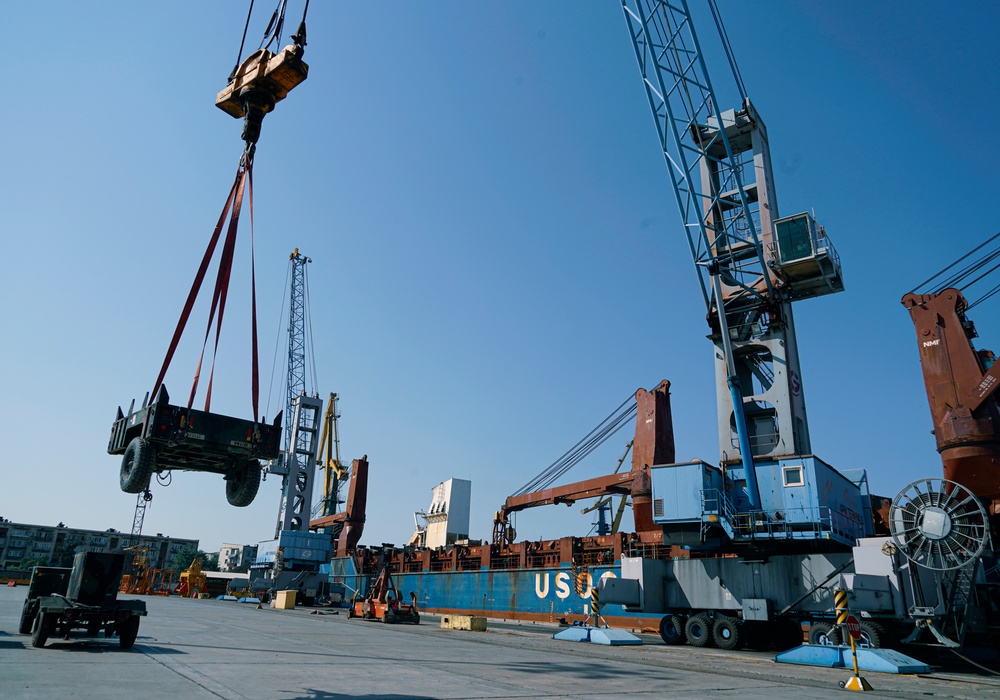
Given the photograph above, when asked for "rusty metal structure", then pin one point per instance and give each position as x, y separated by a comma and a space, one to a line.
961, 385
347, 526
653, 444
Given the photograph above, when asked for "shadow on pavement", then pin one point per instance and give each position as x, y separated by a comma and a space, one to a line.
314, 694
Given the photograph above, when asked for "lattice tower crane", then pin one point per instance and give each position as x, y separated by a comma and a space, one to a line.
296, 465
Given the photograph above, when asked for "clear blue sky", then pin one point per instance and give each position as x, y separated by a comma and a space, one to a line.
498, 261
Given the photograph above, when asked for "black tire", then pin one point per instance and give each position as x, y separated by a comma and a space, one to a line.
873, 636
241, 486
27, 618
789, 635
698, 630
93, 628
43, 627
416, 618
672, 630
756, 635
137, 466
128, 632
727, 633
824, 634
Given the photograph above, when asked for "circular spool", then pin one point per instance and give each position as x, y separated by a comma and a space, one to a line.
938, 524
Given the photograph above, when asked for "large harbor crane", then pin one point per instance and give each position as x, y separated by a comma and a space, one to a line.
751, 264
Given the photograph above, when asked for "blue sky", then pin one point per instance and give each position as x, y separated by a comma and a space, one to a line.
498, 261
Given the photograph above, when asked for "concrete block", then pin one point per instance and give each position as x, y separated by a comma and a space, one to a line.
463, 622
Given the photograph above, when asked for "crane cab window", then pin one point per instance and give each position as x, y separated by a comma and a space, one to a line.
792, 476
795, 237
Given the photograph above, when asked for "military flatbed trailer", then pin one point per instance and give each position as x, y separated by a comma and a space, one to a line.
159, 437
61, 600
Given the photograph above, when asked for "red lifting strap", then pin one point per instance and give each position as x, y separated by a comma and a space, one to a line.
244, 175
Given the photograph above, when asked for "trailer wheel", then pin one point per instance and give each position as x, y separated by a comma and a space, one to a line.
27, 618
824, 634
672, 630
137, 466
699, 631
242, 485
44, 625
873, 635
128, 632
727, 633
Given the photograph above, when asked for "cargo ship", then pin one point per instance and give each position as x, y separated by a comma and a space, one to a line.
554, 580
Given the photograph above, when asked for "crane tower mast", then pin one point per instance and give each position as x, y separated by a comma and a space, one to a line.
296, 381
751, 264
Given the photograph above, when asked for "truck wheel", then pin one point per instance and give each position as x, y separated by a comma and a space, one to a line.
824, 634
672, 630
699, 631
27, 618
242, 485
44, 624
128, 632
727, 633
137, 466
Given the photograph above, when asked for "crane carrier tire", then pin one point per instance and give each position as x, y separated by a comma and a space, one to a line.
824, 634
727, 633
137, 466
242, 484
873, 635
699, 631
672, 630
789, 635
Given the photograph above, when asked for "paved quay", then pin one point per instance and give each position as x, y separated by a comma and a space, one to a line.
197, 649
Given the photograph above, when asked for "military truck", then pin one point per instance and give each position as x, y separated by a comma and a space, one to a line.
85, 597
159, 437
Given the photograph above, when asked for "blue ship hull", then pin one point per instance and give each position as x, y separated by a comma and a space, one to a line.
539, 594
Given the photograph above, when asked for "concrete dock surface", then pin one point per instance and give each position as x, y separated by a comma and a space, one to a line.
195, 649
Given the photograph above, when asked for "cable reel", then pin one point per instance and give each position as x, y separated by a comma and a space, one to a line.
939, 524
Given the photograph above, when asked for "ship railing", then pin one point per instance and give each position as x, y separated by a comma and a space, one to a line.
540, 561
595, 557
509, 561
469, 563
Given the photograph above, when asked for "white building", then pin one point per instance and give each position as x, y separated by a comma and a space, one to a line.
446, 521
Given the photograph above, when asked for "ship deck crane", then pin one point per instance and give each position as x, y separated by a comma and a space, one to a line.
961, 381
653, 444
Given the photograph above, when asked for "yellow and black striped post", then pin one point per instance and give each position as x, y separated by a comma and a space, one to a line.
840, 604
856, 682
595, 604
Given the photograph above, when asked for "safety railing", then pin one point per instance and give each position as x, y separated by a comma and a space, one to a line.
800, 523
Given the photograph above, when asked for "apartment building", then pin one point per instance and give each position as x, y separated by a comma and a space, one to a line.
55, 545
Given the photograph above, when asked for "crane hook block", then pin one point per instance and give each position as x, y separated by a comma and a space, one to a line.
261, 81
